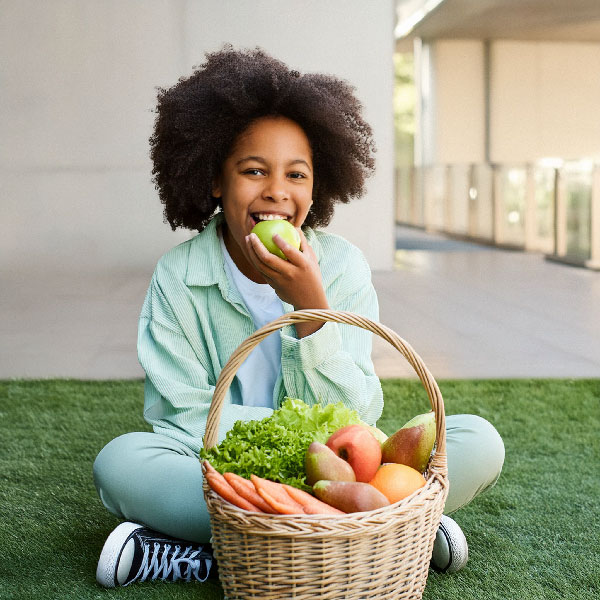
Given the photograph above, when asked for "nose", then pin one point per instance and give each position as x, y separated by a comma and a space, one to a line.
276, 189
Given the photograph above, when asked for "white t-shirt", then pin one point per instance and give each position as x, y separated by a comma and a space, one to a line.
258, 373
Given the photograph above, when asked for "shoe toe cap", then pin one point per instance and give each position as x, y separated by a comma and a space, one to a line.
450, 550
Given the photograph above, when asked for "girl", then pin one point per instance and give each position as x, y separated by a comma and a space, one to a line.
243, 139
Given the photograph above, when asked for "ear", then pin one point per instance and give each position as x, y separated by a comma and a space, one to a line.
216, 188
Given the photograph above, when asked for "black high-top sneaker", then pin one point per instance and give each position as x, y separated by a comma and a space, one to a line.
450, 549
133, 553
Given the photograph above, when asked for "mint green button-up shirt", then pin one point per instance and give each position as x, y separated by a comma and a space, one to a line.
193, 318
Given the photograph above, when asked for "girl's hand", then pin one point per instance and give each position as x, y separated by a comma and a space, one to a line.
296, 280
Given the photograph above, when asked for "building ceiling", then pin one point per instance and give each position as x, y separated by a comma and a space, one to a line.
549, 20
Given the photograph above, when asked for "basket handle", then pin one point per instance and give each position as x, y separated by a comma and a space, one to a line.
243, 350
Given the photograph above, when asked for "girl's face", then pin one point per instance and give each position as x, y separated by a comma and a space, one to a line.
269, 174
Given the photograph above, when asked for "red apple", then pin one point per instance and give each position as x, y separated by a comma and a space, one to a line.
357, 445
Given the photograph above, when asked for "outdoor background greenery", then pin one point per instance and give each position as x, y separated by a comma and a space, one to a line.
405, 100
532, 537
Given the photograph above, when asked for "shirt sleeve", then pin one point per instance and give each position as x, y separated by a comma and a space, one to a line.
178, 387
334, 363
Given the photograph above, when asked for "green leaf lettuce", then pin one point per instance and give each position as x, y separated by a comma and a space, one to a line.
274, 448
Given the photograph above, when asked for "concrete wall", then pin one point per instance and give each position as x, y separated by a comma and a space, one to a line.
543, 101
78, 84
454, 118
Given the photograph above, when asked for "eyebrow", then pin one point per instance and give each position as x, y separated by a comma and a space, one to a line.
260, 159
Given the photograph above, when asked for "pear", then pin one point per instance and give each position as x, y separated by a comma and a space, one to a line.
350, 496
321, 462
412, 444
377, 433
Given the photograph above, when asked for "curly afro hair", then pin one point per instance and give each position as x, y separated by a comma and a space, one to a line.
201, 116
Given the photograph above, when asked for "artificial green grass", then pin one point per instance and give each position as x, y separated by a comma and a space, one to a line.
534, 536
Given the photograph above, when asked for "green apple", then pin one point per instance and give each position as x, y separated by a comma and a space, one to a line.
379, 435
265, 230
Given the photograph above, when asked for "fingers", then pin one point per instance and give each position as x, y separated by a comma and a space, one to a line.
256, 249
303, 241
262, 260
301, 267
292, 254
296, 280
306, 249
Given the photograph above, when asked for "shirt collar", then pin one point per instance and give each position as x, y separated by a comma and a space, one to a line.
205, 261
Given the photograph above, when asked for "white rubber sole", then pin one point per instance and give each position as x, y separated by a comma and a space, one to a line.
111, 551
451, 551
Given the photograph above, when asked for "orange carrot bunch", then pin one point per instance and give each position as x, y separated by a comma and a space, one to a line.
264, 495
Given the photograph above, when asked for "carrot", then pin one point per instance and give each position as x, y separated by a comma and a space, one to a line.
209, 468
241, 481
310, 504
276, 496
245, 488
219, 484
281, 507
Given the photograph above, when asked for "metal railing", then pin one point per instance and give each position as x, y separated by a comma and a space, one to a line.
541, 207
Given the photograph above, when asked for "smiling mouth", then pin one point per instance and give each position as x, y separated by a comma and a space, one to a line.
258, 217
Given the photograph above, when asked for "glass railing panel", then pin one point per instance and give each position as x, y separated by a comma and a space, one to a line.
434, 196
543, 207
457, 208
577, 179
481, 223
545, 183
511, 204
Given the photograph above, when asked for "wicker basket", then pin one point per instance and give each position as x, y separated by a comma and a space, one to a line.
378, 554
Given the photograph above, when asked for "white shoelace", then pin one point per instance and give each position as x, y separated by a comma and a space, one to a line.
162, 567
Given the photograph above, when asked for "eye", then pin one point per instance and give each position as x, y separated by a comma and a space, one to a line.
253, 171
297, 175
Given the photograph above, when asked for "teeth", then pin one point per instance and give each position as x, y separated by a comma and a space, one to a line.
269, 217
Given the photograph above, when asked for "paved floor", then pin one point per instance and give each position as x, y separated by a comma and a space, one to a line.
477, 312
469, 311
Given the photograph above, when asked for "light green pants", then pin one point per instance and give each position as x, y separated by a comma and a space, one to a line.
151, 479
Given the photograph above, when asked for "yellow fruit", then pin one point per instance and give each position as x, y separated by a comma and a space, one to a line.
397, 481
